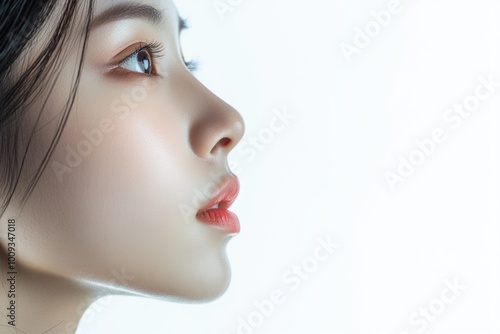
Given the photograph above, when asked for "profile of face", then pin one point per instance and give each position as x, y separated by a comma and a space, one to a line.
134, 197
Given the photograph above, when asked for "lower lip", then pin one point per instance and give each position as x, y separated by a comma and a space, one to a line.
220, 218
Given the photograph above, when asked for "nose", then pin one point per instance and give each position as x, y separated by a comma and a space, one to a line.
216, 127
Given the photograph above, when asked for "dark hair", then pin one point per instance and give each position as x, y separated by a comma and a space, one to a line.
20, 21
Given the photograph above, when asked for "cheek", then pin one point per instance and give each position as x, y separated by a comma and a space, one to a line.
130, 184
138, 173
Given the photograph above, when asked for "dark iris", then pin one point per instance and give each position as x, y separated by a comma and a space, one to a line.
144, 61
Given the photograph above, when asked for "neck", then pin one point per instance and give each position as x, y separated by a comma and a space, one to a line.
41, 303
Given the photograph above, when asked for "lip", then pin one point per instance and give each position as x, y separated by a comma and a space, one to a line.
220, 217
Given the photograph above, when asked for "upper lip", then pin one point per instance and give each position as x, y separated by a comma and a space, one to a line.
228, 191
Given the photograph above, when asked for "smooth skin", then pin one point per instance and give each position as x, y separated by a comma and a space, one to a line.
110, 217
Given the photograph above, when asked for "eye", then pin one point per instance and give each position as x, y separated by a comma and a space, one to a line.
140, 62
143, 59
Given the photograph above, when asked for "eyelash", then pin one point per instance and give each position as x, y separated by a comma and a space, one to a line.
156, 49
191, 65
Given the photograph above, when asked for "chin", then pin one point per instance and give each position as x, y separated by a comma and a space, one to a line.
208, 278
208, 286
198, 284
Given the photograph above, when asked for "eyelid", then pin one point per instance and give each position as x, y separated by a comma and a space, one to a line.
155, 50
155, 47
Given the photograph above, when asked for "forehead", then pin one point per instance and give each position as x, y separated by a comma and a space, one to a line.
43, 37
151, 10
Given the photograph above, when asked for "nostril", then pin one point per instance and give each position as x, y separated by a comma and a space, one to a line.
224, 142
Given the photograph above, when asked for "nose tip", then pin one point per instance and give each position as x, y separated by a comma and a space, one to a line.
231, 136
216, 132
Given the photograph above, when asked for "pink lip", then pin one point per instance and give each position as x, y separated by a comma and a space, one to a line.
221, 217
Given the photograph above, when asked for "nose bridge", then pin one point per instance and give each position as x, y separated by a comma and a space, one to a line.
214, 125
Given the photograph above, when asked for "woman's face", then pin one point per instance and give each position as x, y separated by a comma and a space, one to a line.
143, 150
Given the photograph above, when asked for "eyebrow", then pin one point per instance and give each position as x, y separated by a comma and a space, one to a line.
131, 11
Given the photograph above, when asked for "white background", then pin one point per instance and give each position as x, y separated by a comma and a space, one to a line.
323, 175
